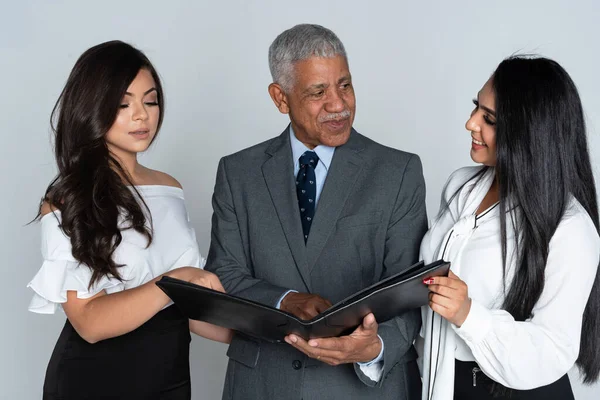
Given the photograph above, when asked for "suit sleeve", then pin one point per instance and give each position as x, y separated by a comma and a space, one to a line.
406, 228
227, 257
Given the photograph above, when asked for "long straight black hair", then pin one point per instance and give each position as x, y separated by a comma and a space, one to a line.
542, 160
90, 189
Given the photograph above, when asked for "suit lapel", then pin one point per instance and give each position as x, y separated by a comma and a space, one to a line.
278, 173
345, 166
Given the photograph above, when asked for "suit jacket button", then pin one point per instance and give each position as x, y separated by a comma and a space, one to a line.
297, 364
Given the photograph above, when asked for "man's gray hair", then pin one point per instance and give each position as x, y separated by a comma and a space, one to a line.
301, 43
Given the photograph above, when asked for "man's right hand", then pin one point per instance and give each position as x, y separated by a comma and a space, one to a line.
304, 305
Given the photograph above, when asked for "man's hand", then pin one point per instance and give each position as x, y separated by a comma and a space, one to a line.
362, 345
304, 305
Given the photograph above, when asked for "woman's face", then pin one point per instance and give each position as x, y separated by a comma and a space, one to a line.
482, 125
137, 119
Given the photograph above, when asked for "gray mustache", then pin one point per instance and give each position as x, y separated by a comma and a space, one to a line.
341, 115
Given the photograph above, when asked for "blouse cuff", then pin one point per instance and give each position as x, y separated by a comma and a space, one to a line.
477, 324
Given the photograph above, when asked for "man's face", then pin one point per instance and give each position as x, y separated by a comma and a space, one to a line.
321, 103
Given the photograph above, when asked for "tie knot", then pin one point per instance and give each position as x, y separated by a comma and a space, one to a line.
309, 158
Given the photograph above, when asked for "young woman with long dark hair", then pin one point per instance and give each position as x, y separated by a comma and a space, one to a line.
110, 229
521, 305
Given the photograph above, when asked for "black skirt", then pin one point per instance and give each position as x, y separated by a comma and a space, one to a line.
470, 384
151, 362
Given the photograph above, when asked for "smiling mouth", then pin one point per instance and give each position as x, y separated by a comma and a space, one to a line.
477, 142
337, 125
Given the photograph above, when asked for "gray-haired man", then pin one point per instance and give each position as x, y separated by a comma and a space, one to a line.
310, 217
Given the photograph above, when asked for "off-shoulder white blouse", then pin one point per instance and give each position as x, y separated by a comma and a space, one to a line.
173, 246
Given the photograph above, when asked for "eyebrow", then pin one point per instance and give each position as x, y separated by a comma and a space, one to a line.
489, 110
346, 78
486, 109
320, 86
145, 93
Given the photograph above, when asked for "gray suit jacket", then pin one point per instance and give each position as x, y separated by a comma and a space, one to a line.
368, 225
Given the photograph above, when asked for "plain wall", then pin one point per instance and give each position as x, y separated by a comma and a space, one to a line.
416, 66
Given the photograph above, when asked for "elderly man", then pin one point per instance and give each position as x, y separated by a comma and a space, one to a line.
308, 218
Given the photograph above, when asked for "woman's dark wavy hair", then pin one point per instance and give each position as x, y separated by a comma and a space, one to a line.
542, 160
90, 189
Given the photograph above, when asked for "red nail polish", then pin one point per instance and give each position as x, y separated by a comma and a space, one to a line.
428, 281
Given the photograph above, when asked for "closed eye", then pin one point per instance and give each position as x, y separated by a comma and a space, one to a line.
488, 120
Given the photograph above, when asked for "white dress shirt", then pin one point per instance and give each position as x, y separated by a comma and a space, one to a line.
518, 354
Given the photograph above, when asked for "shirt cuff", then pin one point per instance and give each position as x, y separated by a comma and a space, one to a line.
374, 368
278, 305
376, 359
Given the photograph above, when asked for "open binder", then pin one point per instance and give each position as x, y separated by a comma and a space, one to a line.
385, 299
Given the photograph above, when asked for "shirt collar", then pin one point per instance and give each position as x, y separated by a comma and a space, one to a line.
325, 153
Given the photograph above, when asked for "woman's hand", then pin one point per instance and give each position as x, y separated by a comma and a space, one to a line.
207, 279
449, 297
198, 277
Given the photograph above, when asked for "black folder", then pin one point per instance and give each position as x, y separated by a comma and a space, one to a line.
385, 299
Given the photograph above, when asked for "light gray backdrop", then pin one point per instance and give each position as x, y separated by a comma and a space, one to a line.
416, 66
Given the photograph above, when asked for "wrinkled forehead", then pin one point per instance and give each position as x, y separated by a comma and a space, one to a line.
327, 70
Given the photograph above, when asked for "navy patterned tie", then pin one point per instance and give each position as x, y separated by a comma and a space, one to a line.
306, 189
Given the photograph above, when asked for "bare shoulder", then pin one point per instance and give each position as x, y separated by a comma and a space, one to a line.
153, 177
47, 208
162, 178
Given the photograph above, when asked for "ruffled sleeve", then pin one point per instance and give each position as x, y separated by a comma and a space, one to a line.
60, 272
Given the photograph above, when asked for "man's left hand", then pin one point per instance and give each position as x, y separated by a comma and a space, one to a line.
362, 345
